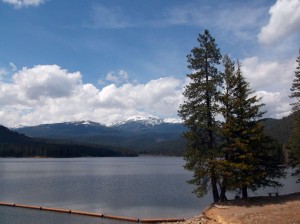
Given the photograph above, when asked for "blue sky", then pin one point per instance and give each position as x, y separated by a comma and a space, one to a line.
108, 60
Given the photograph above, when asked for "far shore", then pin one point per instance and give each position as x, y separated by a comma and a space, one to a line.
280, 209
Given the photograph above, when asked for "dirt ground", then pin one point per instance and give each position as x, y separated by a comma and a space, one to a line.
283, 209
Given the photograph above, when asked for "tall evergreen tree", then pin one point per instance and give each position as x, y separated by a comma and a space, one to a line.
248, 162
294, 140
227, 99
199, 113
245, 129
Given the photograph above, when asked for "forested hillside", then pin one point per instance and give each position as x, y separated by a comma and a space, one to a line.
8, 136
13, 144
278, 129
143, 136
150, 135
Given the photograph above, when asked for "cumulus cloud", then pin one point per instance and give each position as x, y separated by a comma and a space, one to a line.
276, 104
157, 96
48, 94
269, 75
272, 81
46, 81
284, 21
24, 3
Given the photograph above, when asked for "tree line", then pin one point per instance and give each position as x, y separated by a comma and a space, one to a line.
13, 144
54, 150
227, 149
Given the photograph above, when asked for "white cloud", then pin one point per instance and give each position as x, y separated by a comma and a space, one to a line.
276, 103
105, 17
24, 3
272, 75
46, 81
48, 94
284, 21
272, 81
121, 76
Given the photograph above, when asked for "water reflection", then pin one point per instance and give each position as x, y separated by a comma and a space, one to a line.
138, 187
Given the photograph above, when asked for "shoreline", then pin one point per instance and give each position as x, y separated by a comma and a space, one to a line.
260, 210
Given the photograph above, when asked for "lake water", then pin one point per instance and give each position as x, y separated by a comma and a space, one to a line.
142, 187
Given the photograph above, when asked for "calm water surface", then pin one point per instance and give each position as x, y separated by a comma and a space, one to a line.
141, 187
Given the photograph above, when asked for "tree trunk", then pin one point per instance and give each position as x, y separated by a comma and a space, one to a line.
244, 192
214, 187
223, 192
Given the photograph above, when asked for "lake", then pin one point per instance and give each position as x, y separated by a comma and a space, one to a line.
142, 187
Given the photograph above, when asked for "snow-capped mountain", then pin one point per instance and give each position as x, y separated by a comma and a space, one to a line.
173, 120
137, 133
146, 124
85, 123
148, 121
65, 130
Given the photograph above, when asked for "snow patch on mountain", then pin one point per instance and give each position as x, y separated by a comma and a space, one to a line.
173, 120
148, 121
85, 123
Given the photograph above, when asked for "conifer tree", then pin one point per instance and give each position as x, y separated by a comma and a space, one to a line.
199, 113
294, 140
245, 129
248, 161
227, 99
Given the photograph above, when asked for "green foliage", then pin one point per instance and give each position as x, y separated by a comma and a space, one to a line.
199, 113
248, 161
296, 87
13, 144
39, 149
294, 140
230, 155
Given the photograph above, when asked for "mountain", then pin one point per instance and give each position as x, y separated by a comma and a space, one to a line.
13, 144
146, 125
66, 130
136, 133
7, 136
143, 135
143, 121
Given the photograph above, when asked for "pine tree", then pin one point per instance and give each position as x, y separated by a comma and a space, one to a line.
248, 161
245, 130
199, 113
294, 139
227, 101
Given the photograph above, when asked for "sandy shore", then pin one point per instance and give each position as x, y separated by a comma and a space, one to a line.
284, 209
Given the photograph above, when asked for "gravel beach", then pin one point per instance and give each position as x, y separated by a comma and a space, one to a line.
284, 209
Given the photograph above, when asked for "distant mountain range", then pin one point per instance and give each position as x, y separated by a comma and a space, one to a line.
139, 134
13, 144
143, 135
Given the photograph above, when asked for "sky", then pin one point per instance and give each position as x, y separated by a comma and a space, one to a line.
107, 60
